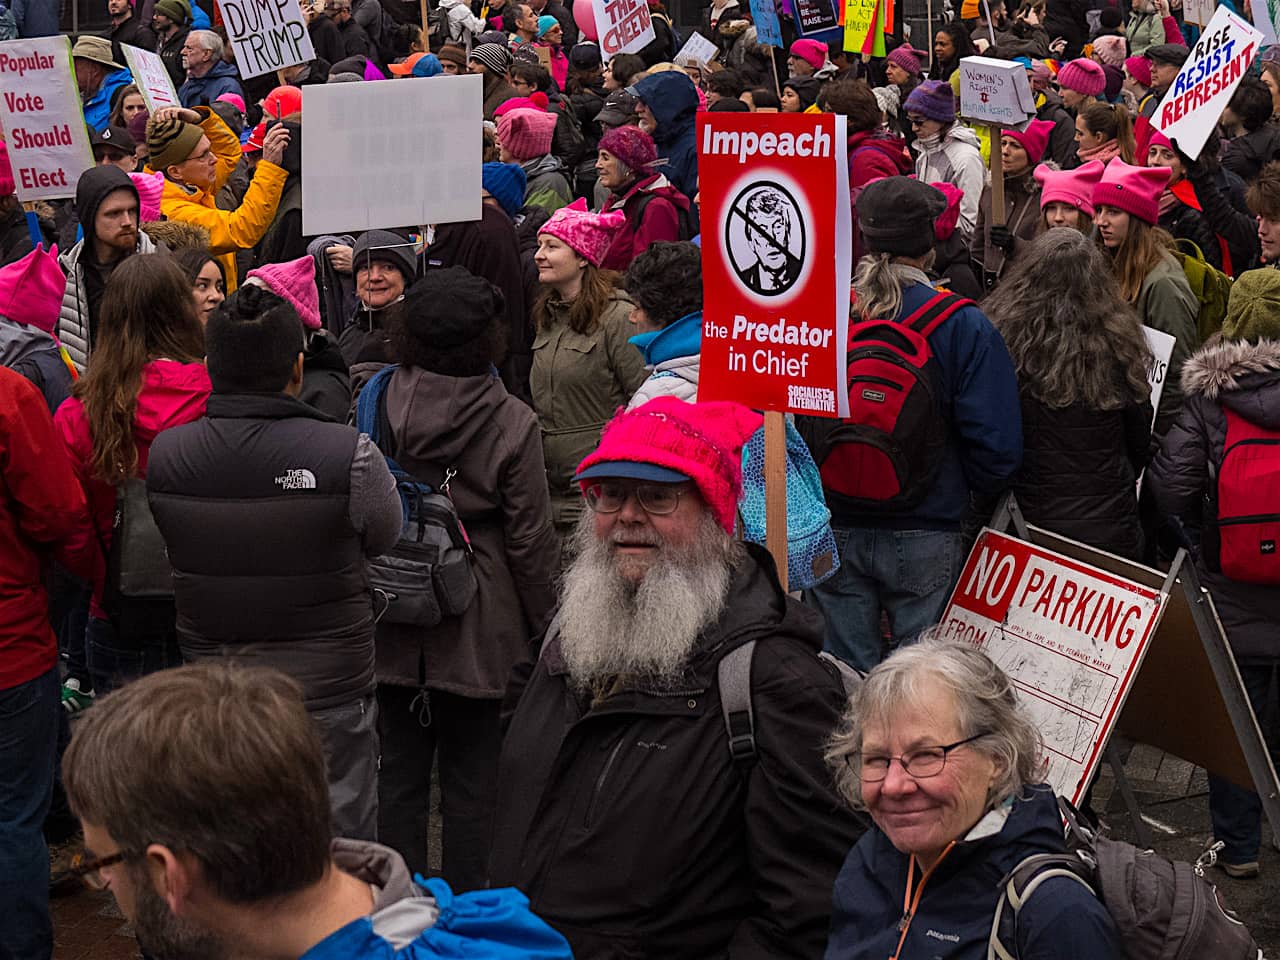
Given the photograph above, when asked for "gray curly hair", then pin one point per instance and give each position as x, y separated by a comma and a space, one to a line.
986, 703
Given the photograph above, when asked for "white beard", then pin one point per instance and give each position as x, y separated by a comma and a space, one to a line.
611, 625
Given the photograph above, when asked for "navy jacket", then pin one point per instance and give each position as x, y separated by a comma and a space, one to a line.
674, 102
201, 91
1061, 921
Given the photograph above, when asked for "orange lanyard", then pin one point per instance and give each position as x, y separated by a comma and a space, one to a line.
910, 903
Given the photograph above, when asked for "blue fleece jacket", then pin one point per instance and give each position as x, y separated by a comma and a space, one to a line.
979, 393
680, 339
1062, 920
673, 101
97, 109
201, 91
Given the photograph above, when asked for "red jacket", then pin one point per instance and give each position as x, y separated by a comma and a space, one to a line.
660, 219
873, 155
172, 394
42, 514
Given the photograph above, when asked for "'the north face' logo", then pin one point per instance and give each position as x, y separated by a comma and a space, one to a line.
297, 480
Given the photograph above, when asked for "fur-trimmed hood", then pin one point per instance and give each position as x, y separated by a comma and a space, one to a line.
177, 234
1238, 374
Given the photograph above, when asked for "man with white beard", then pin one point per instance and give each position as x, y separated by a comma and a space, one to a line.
621, 811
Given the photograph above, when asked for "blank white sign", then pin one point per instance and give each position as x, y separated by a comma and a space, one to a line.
391, 153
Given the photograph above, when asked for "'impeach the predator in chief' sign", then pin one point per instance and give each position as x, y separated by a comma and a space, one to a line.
267, 35
776, 252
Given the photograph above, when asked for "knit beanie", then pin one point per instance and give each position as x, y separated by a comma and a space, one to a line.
295, 282
505, 182
137, 126
1253, 308
812, 52
234, 99
699, 441
1033, 138
1115, 82
1110, 18
537, 101
526, 134
1135, 190
1110, 49
175, 10
451, 307
896, 215
171, 141
1074, 187
588, 234
585, 56
933, 99
1140, 69
1082, 76
150, 189
31, 289
945, 225
383, 246
452, 53
632, 146
492, 57
496, 37
907, 59
545, 23
7, 186
806, 89
888, 99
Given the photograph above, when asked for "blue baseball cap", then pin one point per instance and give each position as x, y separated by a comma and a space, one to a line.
631, 470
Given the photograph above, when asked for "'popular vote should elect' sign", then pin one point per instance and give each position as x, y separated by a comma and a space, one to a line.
1070, 636
43, 121
267, 34
776, 257
152, 78
624, 26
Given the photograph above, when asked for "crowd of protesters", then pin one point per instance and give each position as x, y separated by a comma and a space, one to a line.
192, 389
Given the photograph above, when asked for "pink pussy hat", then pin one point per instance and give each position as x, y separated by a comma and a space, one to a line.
1069, 186
234, 99
589, 234
668, 440
31, 289
1033, 138
150, 187
1135, 190
812, 52
294, 281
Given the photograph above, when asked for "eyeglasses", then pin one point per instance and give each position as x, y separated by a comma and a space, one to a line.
918, 121
89, 871
920, 764
656, 499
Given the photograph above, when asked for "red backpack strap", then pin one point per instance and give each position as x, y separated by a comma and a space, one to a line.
934, 312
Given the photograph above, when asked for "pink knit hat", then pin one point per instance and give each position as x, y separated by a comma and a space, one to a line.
294, 281
1082, 76
812, 52
538, 101
234, 99
589, 234
31, 289
526, 133
1135, 190
1157, 139
907, 58
150, 188
945, 225
632, 146
1140, 69
698, 441
1111, 49
1033, 139
1069, 186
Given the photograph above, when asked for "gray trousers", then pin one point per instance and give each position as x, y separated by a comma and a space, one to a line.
350, 735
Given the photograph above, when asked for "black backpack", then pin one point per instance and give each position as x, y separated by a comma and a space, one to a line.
887, 453
1162, 909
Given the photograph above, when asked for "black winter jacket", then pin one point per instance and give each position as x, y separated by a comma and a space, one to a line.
1079, 472
326, 384
1246, 155
1245, 377
628, 825
1187, 223
1068, 19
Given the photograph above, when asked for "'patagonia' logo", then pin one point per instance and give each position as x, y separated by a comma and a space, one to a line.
297, 480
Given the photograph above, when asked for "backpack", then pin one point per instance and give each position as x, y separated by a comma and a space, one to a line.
887, 453
683, 219
137, 590
1242, 511
1162, 909
1209, 285
733, 674
428, 574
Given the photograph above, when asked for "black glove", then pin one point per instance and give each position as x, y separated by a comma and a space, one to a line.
1002, 238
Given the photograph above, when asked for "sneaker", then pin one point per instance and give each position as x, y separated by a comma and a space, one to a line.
1241, 871
75, 699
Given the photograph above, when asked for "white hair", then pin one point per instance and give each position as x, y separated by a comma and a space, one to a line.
209, 40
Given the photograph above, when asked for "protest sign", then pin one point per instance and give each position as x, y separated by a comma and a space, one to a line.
267, 35
814, 16
1266, 17
1190, 110
1161, 346
698, 49
152, 78
864, 27
995, 92
768, 29
42, 118
410, 174
1070, 636
1200, 12
776, 252
624, 26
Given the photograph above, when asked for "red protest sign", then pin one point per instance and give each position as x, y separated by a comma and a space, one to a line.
776, 259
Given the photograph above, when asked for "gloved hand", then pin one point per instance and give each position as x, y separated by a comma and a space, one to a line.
1002, 238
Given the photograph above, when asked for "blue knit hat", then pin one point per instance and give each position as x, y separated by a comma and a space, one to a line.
505, 182
545, 23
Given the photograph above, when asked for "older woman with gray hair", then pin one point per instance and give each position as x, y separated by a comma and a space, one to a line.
936, 748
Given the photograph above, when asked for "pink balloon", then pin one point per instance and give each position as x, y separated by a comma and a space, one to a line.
584, 16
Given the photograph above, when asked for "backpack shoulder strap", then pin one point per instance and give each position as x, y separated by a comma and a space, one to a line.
934, 312
734, 676
371, 417
1018, 886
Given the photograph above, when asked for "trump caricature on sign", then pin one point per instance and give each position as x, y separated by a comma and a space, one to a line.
769, 219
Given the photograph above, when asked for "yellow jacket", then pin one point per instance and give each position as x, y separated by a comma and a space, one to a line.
229, 230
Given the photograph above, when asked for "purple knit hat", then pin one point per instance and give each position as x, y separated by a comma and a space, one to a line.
589, 234
1082, 76
933, 99
907, 58
632, 146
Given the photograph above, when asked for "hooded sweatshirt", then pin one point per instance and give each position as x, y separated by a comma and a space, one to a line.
955, 157
673, 100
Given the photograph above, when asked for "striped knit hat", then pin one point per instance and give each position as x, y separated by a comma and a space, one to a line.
171, 141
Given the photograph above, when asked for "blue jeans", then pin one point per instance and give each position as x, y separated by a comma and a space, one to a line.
907, 574
114, 662
1235, 811
28, 754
